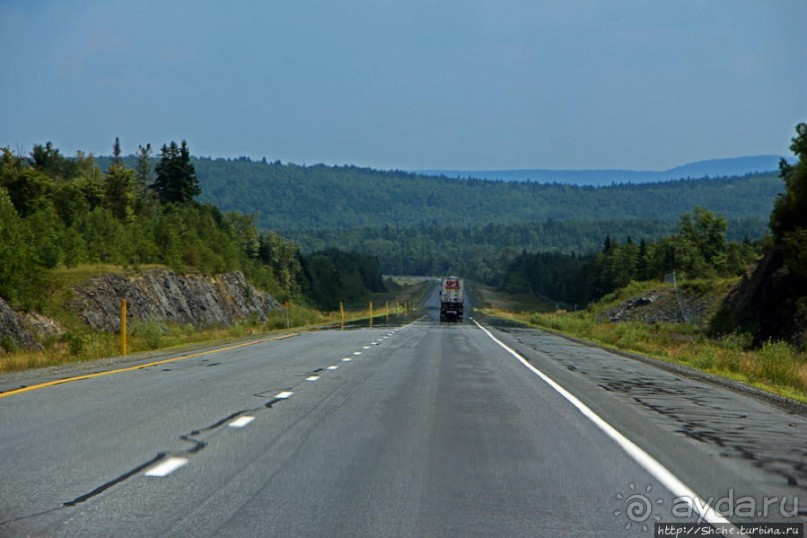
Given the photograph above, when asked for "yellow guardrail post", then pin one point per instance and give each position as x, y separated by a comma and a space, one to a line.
342, 313
123, 326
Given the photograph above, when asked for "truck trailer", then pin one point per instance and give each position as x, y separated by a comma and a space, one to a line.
452, 299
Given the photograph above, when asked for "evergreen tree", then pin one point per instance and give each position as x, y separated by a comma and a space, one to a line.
143, 171
176, 176
119, 196
789, 217
116, 158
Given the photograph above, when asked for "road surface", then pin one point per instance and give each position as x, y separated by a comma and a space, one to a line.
424, 429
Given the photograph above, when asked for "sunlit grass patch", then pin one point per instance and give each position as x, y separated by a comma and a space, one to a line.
776, 367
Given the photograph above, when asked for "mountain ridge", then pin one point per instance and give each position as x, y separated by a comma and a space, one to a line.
713, 168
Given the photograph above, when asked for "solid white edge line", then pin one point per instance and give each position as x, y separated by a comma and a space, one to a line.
167, 467
661, 473
283, 395
240, 422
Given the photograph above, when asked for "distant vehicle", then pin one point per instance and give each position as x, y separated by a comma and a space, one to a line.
452, 299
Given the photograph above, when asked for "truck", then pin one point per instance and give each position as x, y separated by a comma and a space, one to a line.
452, 299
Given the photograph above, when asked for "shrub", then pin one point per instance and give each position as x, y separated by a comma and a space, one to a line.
75, 343
779, 364
150, 331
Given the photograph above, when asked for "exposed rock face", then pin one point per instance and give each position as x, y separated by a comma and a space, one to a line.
662, 305
161, 295
42, 326
766, 303
13, 332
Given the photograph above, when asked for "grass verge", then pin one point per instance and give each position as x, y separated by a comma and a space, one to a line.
81, 344
776, 367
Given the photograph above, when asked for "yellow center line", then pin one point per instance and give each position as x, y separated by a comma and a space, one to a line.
140, 366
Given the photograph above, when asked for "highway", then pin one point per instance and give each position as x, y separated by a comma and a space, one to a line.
420, 429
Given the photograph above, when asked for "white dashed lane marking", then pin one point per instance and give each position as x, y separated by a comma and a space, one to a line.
167, 467
312, 378
334, 367
240, 422
283, 395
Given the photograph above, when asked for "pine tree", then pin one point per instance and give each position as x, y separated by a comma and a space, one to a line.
116, 158
119, 193
143, 169
176, 176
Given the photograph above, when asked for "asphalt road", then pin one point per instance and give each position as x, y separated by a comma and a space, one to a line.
426, 429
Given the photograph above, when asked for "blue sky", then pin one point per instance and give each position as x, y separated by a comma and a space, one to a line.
415, 84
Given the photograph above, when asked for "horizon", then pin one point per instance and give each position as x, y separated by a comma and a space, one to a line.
255, 159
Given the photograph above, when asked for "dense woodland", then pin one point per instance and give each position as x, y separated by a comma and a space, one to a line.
429, 226
61, 212
698, 249
483, 252
289, 197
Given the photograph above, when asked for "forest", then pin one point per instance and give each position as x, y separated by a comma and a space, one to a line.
290, 197
699, 249
419, 225
483, 252
58, 211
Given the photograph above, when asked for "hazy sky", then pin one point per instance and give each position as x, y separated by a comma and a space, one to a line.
411, 84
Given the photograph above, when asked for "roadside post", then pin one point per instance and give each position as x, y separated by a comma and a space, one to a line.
371, 314
342, 314
123, 326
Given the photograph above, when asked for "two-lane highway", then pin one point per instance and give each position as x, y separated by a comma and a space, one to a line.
421, 430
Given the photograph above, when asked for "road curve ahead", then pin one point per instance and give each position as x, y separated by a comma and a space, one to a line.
420, 430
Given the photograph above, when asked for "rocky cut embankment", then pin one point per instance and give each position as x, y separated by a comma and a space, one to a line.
158, 295
664, 305
161, 295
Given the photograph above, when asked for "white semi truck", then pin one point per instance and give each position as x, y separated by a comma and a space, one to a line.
452, 299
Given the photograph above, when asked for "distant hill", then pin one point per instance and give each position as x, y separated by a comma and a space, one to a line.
713, 168
288, 197
426, 225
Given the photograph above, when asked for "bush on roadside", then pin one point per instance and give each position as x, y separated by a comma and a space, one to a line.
150, 331
778, 363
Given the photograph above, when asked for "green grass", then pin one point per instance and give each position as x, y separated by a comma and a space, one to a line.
80, 343
776, 367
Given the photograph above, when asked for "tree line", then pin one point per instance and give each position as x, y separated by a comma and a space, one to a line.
698, 249
483, 252
58, 211
345, 197
289, 197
